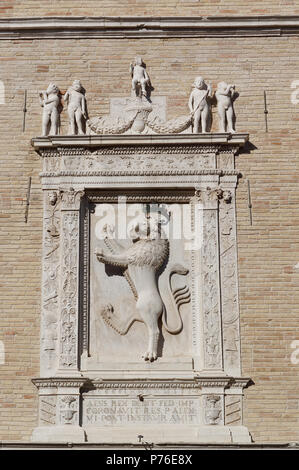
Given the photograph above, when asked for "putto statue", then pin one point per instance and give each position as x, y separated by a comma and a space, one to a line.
50, 100
200, 105
140, 79
226, 96
141, 263
76, 101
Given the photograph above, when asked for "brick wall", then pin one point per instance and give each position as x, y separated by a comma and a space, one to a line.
268, 250
19, 8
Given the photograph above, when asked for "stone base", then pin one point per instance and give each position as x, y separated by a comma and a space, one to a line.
170, 434
151, 434
66, 433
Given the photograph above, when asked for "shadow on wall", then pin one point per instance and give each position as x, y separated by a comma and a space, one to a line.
2, 93
2, 353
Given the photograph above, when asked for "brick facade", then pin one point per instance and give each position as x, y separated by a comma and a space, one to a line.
268, 249
20, 8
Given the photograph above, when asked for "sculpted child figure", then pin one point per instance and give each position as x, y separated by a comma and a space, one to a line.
225, 95
139, 76
200, 105
50, 100
76, 101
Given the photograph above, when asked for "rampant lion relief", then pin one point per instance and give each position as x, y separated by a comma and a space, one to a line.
141, 263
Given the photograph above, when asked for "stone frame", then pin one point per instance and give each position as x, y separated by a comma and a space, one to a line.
77, 171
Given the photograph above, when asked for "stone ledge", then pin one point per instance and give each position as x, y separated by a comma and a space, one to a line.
152, 27
5, 445
237, 140
196, 382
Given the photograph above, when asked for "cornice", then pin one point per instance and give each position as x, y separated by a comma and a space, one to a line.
89, 141
197, 382
54, 382
147, 27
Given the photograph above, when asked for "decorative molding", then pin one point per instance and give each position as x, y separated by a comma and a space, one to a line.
209, 140
147, 27
197, 382
84, 277
210, 291
142, 173
55, 382
50, 283
69, 289
154, 196
127, 150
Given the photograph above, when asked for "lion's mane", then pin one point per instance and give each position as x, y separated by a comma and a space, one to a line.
148, 252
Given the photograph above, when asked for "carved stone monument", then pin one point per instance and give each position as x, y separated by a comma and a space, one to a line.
140, 314
139, 113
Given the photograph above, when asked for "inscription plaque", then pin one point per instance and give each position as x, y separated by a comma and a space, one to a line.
116, 411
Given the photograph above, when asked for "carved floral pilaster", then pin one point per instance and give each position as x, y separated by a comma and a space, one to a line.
50, 282
208, 199
229, 284
69, 295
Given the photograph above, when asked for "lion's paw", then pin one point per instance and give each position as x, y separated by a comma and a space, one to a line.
107, 312
150, 356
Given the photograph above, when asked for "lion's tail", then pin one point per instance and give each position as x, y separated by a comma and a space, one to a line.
179, 296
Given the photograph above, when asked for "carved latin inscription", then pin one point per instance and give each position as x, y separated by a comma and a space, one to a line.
118, 411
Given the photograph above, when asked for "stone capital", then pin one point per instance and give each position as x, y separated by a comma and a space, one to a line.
71, 199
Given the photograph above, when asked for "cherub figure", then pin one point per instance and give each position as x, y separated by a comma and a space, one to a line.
139, 76
76, 101
50, 100
200, 105
226, 95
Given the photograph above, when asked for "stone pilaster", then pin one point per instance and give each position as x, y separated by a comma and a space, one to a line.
50, 283
210, 293
69, 286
